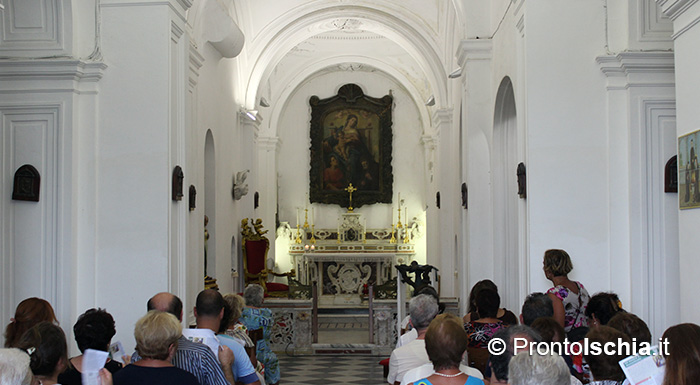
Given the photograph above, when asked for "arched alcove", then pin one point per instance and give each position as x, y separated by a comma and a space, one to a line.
505, 196
210, 202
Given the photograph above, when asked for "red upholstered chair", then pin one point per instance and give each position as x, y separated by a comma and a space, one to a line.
255, 248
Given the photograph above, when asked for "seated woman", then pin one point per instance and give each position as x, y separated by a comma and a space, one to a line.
569, 298
254, 317
29, 312
605, 368
683, 358
232, 327
93, 330
46, 345
631, 325
445, 342
550, 331
601, 308
481, 330
503, 314
156, 336
14, 367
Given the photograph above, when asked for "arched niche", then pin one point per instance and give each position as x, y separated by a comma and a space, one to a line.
506, 230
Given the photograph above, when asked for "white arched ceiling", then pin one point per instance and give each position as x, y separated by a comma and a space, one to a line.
274, 42
296, 79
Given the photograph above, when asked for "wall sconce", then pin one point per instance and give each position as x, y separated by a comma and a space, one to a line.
26, 184
250, 114
193, 197
522, 180
465, 196
456, 73
430, 101
264, 103
178, 178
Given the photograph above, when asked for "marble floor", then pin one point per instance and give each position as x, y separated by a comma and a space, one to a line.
334, 368
331, 369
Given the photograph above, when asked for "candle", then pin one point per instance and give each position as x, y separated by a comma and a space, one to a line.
312, 215
297, 217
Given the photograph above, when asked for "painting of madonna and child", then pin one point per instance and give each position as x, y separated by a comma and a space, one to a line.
351, 151
351, 144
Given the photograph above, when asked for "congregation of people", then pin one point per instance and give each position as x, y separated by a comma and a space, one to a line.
437, 347
435, 351
36, 349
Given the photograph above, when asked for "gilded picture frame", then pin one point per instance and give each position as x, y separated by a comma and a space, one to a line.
351, 143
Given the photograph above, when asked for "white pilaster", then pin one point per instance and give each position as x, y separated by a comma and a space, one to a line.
268, 150
447, 214
474, 57
644, 219
49, 114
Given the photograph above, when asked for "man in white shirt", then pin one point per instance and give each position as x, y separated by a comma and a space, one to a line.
209, 311
423, 308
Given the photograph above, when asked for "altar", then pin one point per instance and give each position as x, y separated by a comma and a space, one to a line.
344, 261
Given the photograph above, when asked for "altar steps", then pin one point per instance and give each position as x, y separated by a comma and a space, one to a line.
344, 332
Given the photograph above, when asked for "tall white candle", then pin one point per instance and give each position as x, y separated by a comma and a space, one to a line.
297, 217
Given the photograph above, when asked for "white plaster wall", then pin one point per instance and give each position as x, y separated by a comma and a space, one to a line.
235, 151
687, 86
408, 157
566, 140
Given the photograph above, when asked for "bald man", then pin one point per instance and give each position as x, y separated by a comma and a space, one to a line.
193, 357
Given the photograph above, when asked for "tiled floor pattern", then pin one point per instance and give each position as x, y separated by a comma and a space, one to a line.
326, 369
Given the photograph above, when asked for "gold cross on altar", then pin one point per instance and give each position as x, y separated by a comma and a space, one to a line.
350, 190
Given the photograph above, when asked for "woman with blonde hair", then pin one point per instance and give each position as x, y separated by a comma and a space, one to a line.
156, 336
569, 298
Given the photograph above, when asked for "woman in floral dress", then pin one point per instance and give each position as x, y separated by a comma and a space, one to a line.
569, 298
256, 317
481, 330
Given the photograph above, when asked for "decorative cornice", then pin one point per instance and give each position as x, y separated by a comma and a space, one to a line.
442, 117
474, 49
675, 8
269, 143
179, 6
685, 28
51, 70
638, 69
196, 62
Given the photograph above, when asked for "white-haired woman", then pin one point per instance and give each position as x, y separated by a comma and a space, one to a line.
255, 317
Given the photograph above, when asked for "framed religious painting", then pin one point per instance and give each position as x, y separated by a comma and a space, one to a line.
351, 144
688, 171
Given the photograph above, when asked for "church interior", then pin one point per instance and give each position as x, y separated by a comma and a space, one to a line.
468, 136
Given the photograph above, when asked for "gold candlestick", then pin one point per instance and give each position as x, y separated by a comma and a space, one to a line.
313, 238
398, 224
393, 238
406, 236
306, 219
298, 240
